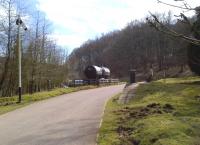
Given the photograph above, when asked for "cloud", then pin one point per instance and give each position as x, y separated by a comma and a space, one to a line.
77, 21
68, 41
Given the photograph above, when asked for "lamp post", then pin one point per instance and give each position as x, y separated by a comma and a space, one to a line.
20, 24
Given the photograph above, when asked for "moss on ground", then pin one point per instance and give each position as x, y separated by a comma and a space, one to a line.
164, 112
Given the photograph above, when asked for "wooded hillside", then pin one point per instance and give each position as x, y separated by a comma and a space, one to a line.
137, 46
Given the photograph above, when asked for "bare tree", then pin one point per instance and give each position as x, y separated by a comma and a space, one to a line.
7, 41
158, 25
194, 40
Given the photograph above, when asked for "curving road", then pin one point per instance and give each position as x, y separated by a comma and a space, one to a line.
71, 119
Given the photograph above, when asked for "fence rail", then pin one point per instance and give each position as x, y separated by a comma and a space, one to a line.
79, 82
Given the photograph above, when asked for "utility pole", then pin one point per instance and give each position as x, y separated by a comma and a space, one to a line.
20, 23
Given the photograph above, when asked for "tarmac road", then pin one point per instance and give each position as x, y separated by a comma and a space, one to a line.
71, 119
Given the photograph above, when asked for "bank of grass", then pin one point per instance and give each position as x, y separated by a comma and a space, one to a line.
164, 112
10, 103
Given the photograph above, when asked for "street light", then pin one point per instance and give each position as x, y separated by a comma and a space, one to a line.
20, 24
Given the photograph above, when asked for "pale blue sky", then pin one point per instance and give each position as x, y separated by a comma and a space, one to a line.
76, 21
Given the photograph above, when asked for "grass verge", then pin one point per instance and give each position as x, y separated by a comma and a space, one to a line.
9, 103
164, 112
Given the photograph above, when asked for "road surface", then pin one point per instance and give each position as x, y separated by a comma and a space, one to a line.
71, 119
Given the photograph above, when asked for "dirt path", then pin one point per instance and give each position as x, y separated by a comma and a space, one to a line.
71, 119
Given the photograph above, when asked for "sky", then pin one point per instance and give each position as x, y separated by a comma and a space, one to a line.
76, 21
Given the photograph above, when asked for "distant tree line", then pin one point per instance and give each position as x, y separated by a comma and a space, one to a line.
43, 61
137, 46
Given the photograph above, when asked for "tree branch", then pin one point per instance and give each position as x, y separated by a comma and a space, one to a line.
163, 28
180, 7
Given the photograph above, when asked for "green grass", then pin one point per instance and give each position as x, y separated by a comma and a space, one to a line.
10, 103
164, 112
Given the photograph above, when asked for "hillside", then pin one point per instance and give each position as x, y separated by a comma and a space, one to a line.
164, 112
137, 46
